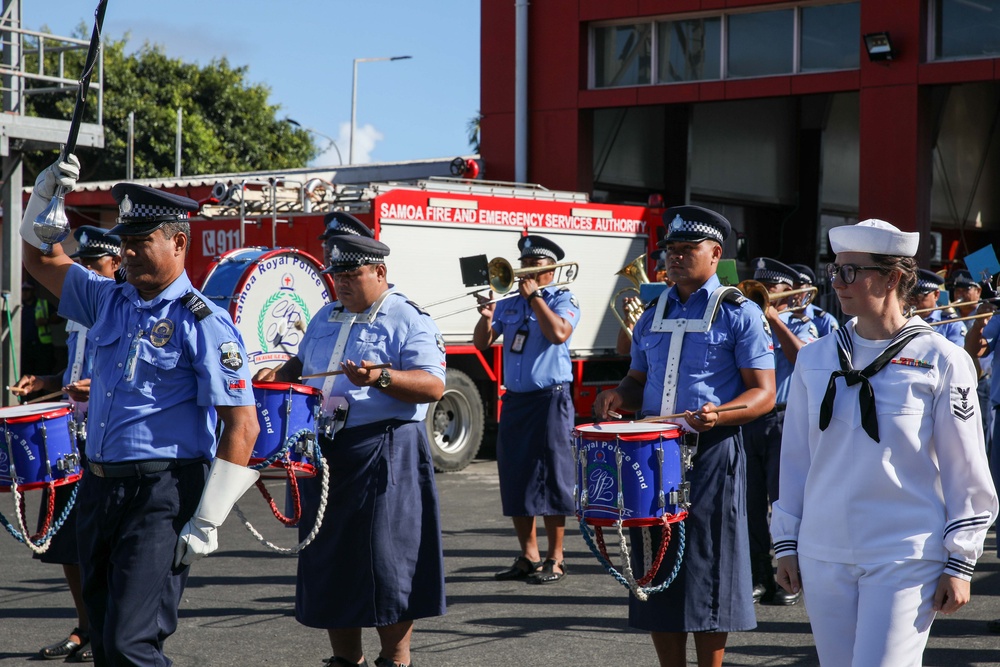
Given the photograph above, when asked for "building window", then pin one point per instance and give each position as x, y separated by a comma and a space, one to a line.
760, 44
830, 37
623, 55
964, 29
689, 50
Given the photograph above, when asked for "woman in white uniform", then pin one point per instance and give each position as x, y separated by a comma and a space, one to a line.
885, 492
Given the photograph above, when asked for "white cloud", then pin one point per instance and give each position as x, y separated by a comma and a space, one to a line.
365, 138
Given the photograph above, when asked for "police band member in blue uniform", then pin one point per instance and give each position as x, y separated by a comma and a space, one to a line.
966, 295
100, 252
825, 322
886, 497
377, 560
790, 331
167, 363
925, 295
721, 357
534, 439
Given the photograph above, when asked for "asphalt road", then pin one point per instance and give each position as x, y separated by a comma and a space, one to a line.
238, 605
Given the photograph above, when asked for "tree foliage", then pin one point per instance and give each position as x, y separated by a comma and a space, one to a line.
228, 125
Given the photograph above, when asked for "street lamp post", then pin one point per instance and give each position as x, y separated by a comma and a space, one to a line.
354, 96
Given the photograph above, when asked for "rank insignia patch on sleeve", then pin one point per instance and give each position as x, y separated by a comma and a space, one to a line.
961, 406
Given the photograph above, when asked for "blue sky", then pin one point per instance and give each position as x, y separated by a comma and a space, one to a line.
303, 50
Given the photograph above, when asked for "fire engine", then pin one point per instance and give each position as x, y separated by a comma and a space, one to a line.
256, 251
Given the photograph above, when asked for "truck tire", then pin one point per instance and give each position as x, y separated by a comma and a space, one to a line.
455, 423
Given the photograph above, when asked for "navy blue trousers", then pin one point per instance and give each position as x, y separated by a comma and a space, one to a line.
762, 442
127, 530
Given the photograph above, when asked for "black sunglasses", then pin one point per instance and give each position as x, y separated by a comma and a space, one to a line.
848, 272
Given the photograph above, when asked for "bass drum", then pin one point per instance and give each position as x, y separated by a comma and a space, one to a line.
271, 296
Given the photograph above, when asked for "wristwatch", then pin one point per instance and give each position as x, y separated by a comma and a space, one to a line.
384, 379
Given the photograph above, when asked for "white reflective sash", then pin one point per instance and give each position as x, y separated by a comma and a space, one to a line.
76, 370
677, 328
347, 320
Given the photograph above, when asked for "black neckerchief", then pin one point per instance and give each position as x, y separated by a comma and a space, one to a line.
866, 396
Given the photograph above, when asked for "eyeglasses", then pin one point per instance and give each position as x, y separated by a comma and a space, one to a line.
848, 272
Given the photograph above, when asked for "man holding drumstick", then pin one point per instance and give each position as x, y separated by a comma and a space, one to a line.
379, 361
727, 360
166, 364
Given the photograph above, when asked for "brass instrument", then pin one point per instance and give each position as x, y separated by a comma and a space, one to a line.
961, 319
635, 271
757, 292
503, 276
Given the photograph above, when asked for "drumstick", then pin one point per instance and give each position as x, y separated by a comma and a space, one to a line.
681, 414
328, 373
45, 397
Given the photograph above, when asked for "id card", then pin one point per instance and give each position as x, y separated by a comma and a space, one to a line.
520, 338
333, 415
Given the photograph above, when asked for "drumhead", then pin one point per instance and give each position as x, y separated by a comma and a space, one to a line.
666, 429
285, 386
271, 296
35, 411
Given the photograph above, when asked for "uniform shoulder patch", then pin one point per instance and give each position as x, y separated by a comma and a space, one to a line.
961, 406
735, 298
417, 308
196, 305
230, 356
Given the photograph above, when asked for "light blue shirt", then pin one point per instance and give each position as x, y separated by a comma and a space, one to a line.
824, 321
710, 361
953, 331
805, 330
400, 335
158, 371
990, 333
540, 363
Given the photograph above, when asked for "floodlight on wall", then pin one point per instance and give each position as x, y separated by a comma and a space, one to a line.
879, 47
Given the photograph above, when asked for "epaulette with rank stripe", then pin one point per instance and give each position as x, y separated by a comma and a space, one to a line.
734, 298
197, 307
417, 308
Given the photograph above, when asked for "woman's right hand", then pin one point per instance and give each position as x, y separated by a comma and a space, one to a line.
788, 574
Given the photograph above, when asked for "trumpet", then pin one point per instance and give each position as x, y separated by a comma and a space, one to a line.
757, 292
635, 271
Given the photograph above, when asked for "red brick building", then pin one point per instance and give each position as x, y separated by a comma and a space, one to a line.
774, 113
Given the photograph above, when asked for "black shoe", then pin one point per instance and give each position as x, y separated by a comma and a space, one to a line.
993, 626
548, 574
781, 598
386, 662
67, 648
521, 569
334, 661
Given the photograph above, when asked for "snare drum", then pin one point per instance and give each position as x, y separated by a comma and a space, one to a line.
286, 410
630, 471
37, 443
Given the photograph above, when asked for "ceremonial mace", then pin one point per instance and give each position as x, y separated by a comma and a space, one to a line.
51, 225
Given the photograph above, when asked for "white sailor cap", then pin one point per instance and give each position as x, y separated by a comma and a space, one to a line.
876, 237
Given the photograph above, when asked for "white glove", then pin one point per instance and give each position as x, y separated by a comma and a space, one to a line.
227, 482
64, 173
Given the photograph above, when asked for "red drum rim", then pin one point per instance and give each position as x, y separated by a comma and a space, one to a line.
627, 431
285, 386
6, 486
24, 414
645, 522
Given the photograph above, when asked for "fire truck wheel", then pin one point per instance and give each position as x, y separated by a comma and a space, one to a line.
455, 423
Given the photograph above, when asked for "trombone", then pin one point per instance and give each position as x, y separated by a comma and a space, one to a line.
635, 271
757, 292
502, 277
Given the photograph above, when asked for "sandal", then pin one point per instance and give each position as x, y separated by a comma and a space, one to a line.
66, 648
85, 654
521, 569
547, 574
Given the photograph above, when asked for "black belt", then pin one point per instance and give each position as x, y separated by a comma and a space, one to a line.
137, 468
780, 407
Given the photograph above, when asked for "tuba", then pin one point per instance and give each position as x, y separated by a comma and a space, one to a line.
635, 271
